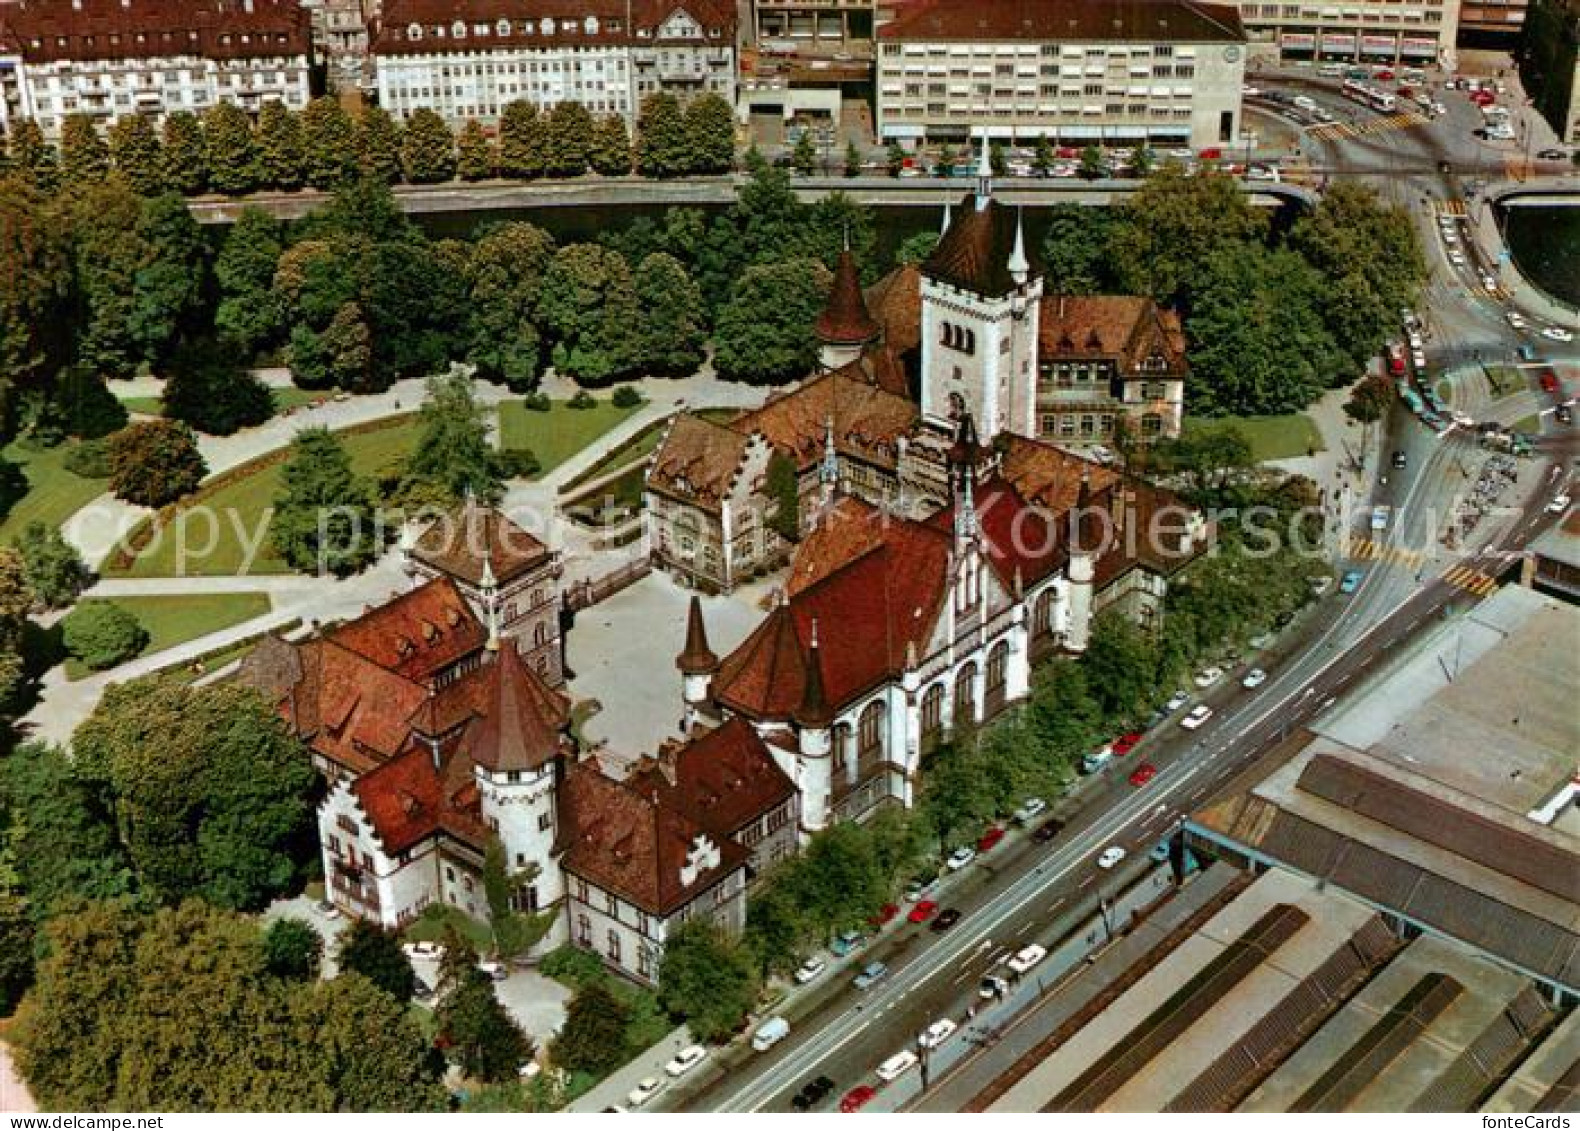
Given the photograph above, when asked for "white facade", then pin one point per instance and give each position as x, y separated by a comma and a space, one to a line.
519, 807
362, 877
481, 84
1408, 32
631, 939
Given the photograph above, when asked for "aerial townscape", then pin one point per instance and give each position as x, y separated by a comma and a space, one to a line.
795, 556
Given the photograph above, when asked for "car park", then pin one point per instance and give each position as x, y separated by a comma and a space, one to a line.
1047, 830
937, 1033
857, 1098
1199, 715
1025, 958
923, 911
990, 839
960, 857
897, 1065
685, 1060
871, 974
1254, 678
1111, 856
1351, 582
945, 919
1029, 809
646, 1089
1143, 774
809, 970
812, 1093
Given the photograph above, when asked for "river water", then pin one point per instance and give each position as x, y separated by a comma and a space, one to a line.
1545, 243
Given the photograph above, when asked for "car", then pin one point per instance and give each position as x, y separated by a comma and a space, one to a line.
809, 970
1026, 957
945, 919
989, 840
1029, 809
1176, 701
1558, 334
495, 970
1125, 743
1047, 830
857, 1098
1456, 258
1553, 155
1199, 714
685, 1060
528, 1070
1254, 678
1143, 774
936, 1033
1516, 319
871, 974
1399, 460
921, 887
844, 943
1208, 676
897, 1065
812, 1093
429, 950
884, 916
1383, 74
960, 857
1562, 414
770, 1033
1559, 504
1097, 759
923, 911
1380, 518
645, 1090
1111, 856
992, 986
1351, 582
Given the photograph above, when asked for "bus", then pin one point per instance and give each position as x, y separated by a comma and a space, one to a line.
1369, 96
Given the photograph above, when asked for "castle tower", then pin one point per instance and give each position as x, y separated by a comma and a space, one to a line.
697, 665
1089, 533
814, 761
846, 327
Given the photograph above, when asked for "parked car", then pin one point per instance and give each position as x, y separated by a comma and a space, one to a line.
1143, 774
857, 1098
1558, 334
1553, 155
1029, 809
428, 950
923, 911
809, 970
685, 1060
1097, 759
812, 1093
936, 1033
1199, 714
960, 857
897, 1065
992, 986
884, 916
1559, 504
1254, 678
945, 919
1111, 856
845, 943
770, 1033
1176, 701
1208, 676
495, 970
421, 990
1320, 585
921, 887
1126, 742
645, 1090
1047, 830
871, 974
1024, 959
990, 839
1351, 582
1399, 460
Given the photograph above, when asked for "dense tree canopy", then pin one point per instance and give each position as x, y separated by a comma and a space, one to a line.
323, 514
764, 333
707, 979
154, 462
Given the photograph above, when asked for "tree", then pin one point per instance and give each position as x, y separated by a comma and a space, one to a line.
671, 333
611, 147
293, 949
234, 167
248, 315
281, 150
918, 248
852, 160
102, 634
87, 407
453, 456
569, 135
710, 133
777, 926
15, 602
706, 979
348, 350
514, 932
764, 333
1075, 252
323, 514
33, 159
588, 304
34, 245
997, 161
1169, 223
1370, 399
475, 159
1144, 161
1120, 662
168, 290
505, 278
784, 489
592, 1039
427, 148
134, 148
84, 157
374, 1056
59, 831
17, 933
211, 390
958, 797
804, 156
477, 1032
662, 145
369, 950
185, 153
1092, 165
332, 145
154, 462
377, 138
1042, 160
51, 566
522, 142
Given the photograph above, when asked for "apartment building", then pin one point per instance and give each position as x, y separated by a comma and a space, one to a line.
471, 58
1411, 32
1079, 71
109, 58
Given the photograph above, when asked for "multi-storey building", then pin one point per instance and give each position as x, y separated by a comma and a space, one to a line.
1408, 32
110, 58
1167, 72
1550, 64
340, 29
1491, 23
471, 58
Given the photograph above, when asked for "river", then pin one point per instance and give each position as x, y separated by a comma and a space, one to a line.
1545, 243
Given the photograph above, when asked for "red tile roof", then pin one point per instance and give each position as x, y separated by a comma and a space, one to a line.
896, 302
617, 23
974, 252
1020, 540
1048, 476
1124, 327
698, 460
417, 635
459, 543
845, 319
44, 31
524, 721
626, 841
723, 781
403, 799
696, 657
1095, 21
869, 420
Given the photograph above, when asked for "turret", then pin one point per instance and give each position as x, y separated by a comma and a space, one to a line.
984, 176
697, 664
814, 719
1019, 266
490, 590
1088, 534
828, 469
845, 327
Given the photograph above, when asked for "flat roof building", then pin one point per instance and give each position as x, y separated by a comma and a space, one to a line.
1401, 32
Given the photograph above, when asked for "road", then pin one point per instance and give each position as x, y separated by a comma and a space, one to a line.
1025, 892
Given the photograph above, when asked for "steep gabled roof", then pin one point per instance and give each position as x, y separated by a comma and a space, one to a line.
417, 634
1126, 327
724, 780
474, 533
896, 303
403, 799
698, 460
868, 420
1020, 540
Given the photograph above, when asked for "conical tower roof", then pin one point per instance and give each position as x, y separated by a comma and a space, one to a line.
525, 718
696, 658
846, 320
814, 712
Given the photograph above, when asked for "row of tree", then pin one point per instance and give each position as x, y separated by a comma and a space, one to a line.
324, 146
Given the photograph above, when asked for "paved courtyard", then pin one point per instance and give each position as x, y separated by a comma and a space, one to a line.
623, 650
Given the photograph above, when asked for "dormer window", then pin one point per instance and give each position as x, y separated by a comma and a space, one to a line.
590, 25
502, 27
413, 32
458, 30
546, 25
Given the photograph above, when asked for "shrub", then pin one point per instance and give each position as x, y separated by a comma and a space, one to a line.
102, 634
582, 399
518, 463
90, 409
537, 402
154, 462
89, 459
576, 968
627, 396
211, 390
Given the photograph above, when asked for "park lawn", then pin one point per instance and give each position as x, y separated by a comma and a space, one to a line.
147, 406
54, 494
560, 433
177, 619
241, 505
289, 396
1271, 437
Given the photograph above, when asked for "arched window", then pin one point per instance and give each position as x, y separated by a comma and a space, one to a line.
932, 712
870, 734
997, 667
965, 694
841, 751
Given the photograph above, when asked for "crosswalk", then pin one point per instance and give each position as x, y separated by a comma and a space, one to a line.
1462, 577
1404, 120
1471, 581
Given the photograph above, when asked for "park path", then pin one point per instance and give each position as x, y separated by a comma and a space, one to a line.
14, 1096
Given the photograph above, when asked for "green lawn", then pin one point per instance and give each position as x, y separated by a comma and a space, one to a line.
642, 445
560, 433
435, 921
175, 620
54, 493
1271, 437
147, 406
241, 504
1505, 380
